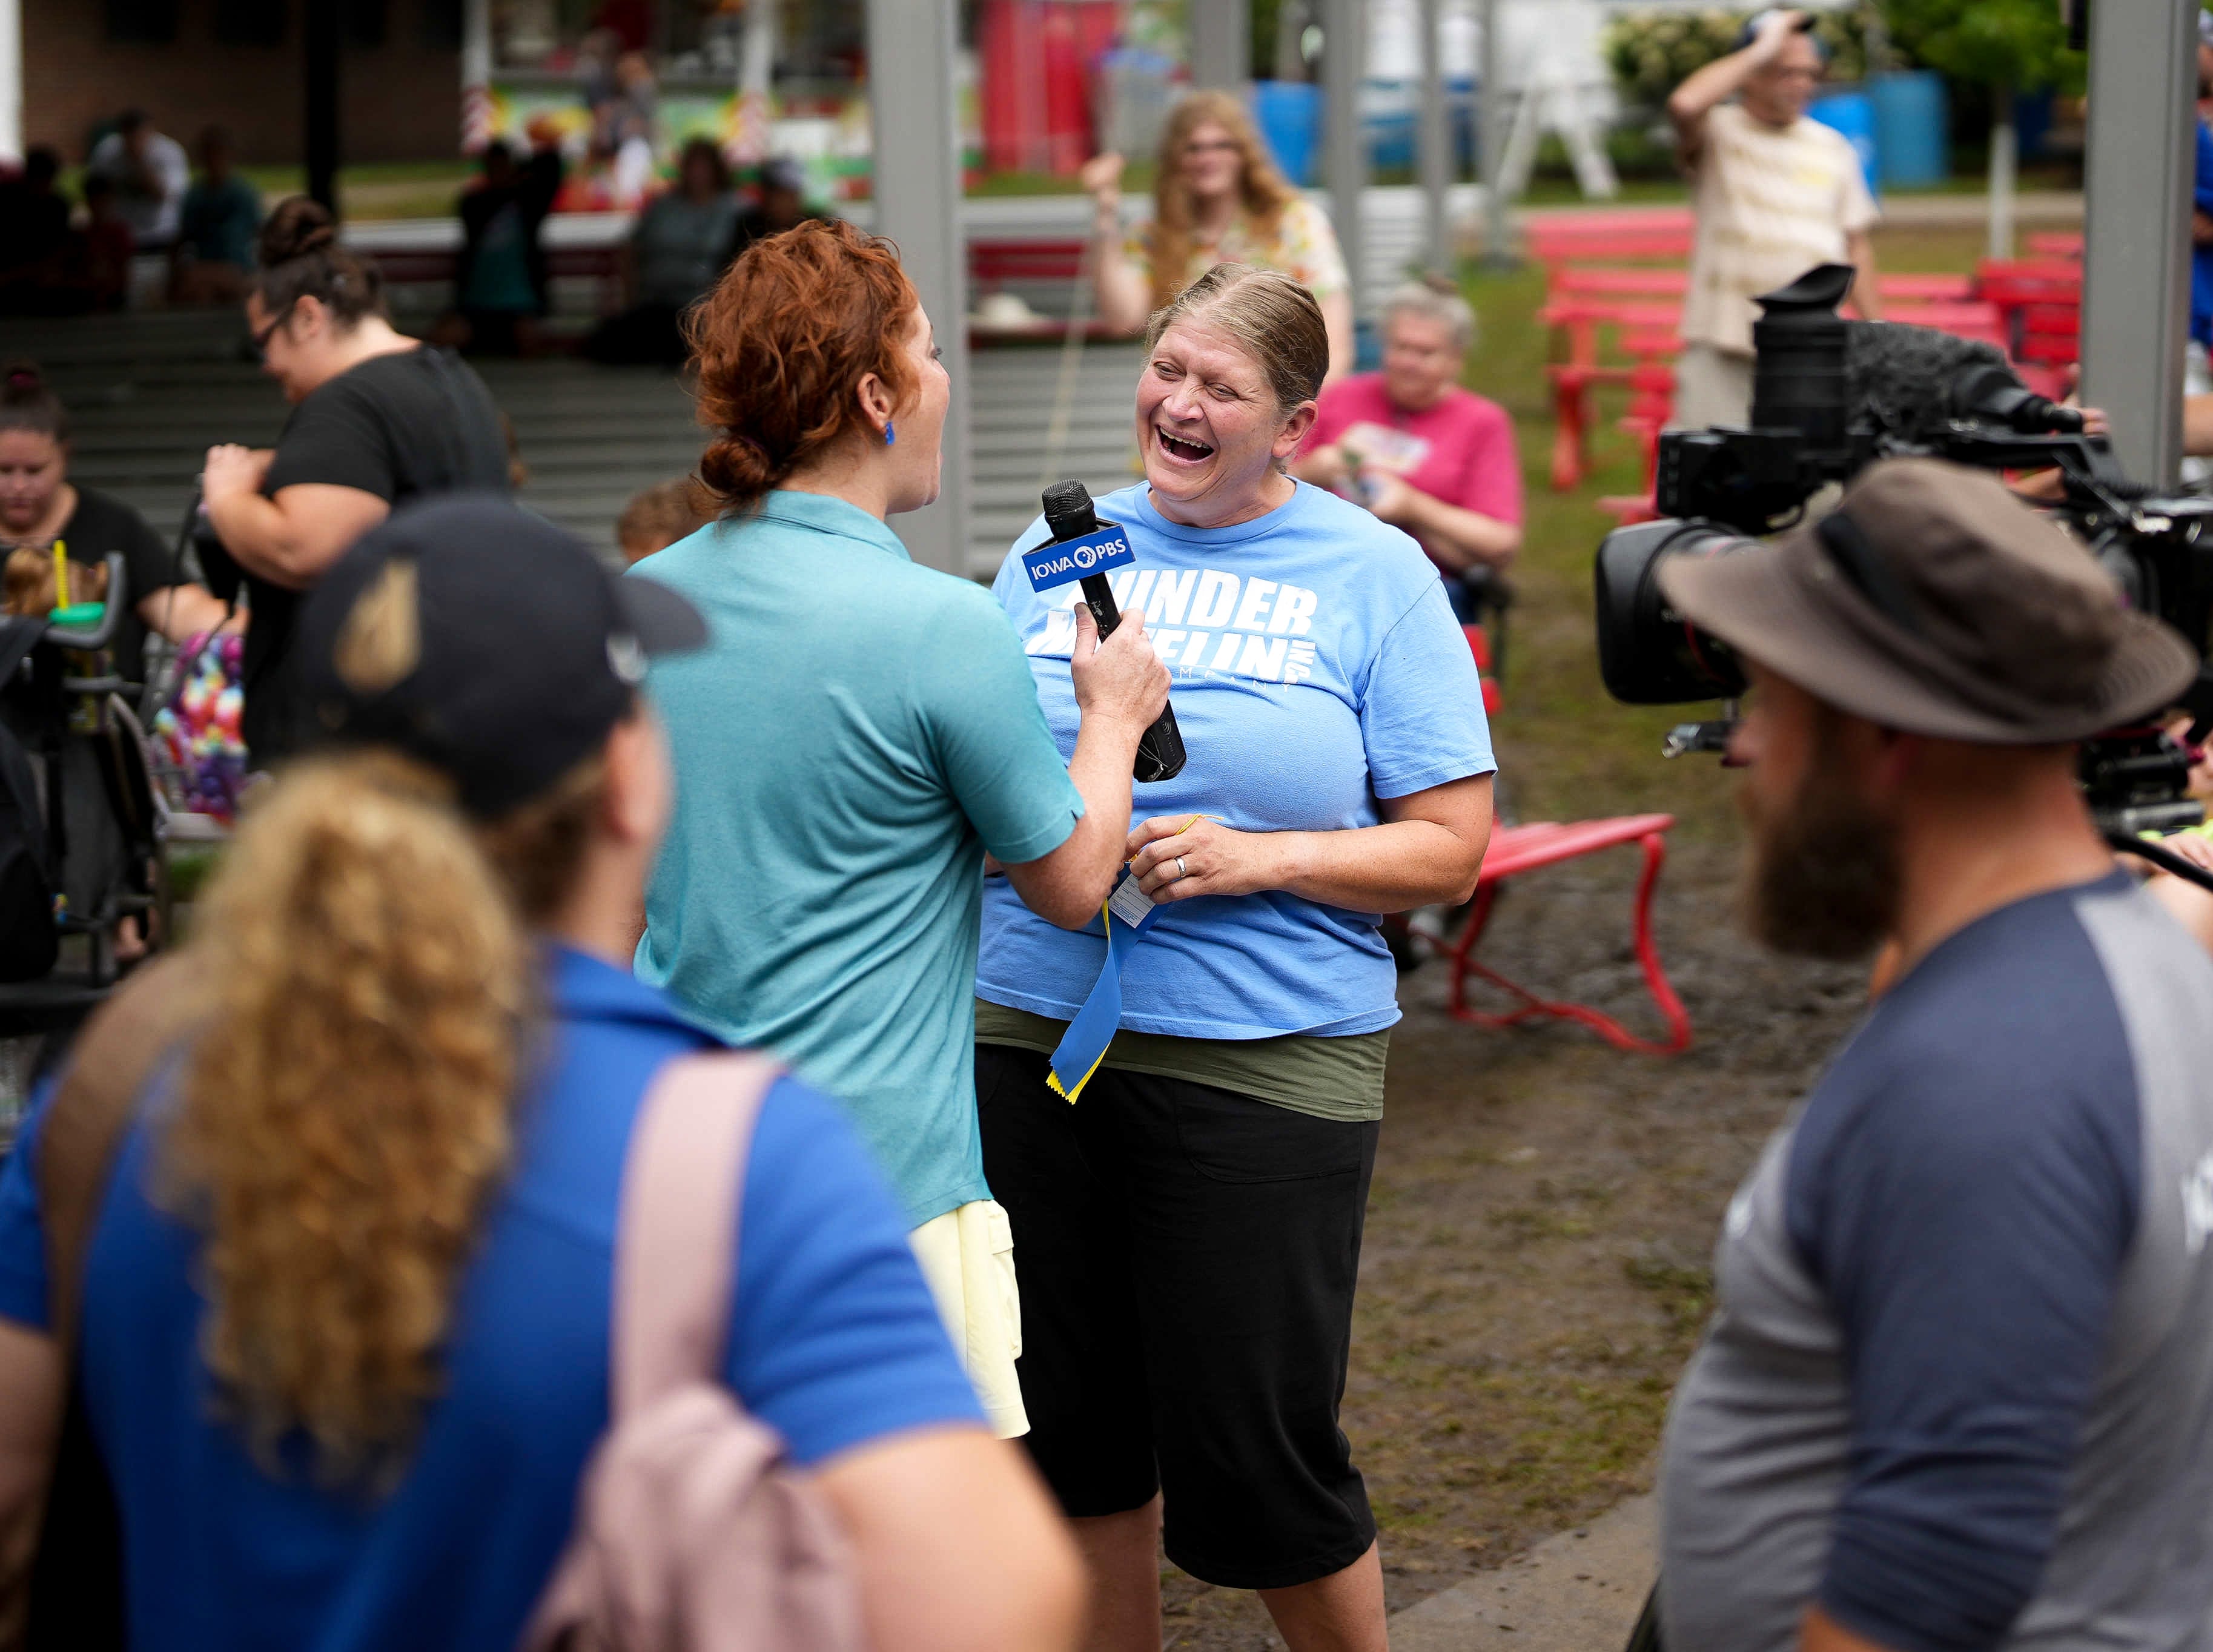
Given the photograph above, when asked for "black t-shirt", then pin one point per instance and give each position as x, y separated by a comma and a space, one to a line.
102, 524
33, 225
399, 426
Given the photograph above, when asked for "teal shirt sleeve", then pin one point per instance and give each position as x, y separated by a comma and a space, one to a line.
979, 709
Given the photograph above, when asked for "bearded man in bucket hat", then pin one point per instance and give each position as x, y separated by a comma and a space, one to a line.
1959, 1392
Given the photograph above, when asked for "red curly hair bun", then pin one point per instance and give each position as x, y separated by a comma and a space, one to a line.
789, 330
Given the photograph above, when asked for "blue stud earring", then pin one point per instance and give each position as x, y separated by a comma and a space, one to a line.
890, 435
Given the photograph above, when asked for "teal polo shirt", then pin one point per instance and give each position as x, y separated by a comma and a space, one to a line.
857, 734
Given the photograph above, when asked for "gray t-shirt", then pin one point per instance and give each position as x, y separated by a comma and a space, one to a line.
1959, 1388
681, 245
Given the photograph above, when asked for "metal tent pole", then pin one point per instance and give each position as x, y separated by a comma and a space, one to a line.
756, 81
914, 117
1491, 142
321, 80
476, 75
1221, 43
1344, 163
11, 80
1435, 143
2136, 184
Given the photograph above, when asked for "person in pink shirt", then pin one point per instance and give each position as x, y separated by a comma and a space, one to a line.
1421, 452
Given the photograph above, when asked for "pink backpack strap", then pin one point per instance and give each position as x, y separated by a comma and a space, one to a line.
676, 1236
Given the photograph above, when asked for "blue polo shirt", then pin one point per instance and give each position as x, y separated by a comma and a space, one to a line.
857, 732
836, 1342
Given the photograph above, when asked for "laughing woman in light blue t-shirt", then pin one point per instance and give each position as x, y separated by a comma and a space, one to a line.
1191, 1228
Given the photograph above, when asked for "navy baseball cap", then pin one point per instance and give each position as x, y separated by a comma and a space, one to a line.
1750, 32
483, 641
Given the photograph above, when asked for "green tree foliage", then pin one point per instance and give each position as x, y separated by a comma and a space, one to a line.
2020, 44
1652, 53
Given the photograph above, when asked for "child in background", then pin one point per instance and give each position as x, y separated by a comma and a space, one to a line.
106, 246
659, 517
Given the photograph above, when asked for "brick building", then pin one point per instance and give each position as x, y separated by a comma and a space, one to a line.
188, 62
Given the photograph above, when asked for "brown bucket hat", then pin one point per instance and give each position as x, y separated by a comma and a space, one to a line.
1933, 601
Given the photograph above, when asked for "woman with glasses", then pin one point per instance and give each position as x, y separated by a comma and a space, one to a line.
1217, 198
378, 418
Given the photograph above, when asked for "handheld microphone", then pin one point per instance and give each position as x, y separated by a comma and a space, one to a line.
1084, 548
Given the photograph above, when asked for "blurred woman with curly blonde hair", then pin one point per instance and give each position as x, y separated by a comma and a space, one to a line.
340, 1332
1217, 198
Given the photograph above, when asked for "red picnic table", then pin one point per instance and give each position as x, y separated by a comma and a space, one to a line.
1658, 280
1517, 850
2040, 296
1618, 233
1645, 332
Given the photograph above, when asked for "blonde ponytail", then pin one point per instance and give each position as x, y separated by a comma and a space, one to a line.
346, 1116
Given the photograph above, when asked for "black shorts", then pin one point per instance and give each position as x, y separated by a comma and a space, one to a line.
1187, 1257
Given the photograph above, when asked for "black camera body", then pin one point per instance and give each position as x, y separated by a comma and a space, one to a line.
1831, 397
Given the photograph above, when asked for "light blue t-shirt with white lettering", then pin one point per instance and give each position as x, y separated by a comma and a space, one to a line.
856, 733
1317, 667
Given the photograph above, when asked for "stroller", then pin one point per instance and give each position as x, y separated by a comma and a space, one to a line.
83, 825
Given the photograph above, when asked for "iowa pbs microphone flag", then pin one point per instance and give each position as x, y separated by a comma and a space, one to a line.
1098, 552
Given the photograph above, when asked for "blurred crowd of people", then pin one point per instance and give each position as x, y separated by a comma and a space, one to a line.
138, 193
326, 1261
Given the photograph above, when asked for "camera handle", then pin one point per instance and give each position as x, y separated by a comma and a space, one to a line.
2166, 859
1711, 736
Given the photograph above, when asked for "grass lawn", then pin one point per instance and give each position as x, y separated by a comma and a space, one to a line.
426, 189
385, 189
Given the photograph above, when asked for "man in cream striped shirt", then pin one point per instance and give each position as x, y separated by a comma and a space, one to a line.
1776, 193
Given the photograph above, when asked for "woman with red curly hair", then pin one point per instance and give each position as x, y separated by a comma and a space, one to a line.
859, 735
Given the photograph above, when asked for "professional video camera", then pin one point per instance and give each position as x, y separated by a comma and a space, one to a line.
1830, 397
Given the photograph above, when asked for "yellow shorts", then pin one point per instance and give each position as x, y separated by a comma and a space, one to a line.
967, 1255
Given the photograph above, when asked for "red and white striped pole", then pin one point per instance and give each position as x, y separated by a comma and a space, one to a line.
476, 75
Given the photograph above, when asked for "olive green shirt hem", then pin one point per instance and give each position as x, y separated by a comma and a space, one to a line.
1335, 1078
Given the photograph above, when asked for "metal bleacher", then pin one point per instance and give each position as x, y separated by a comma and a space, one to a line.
149, 392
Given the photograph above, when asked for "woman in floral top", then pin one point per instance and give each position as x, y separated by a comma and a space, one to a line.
1217, 198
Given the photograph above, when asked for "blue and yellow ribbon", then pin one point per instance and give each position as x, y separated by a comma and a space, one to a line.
1083, 1047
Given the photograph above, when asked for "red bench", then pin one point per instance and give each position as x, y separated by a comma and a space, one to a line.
1657, 281
2013, 284
1621, 232
1644, 332
1642, 329
993, 263
1517, 850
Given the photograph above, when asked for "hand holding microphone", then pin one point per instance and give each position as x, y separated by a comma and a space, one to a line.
1119, 677
1082, 548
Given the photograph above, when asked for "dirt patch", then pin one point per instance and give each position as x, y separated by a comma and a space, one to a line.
1535, 1268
